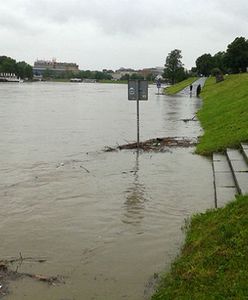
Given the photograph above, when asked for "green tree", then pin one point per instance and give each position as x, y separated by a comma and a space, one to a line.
174, 70
204, 64
236, 57
136, 76
7, 65
21, 69
125, 77
102, 75
219, 61
24, 70
86, 74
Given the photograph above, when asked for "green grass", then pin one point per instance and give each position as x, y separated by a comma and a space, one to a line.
213, 264
172, 90
224, 116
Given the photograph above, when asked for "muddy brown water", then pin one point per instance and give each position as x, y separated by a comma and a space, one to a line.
105, 221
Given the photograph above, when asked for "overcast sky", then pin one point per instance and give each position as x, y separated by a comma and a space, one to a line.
110, 34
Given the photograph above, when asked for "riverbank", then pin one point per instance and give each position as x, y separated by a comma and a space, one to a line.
176, 88
213, 261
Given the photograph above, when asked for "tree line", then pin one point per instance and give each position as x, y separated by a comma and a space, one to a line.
98, 75
20, 69
233, 60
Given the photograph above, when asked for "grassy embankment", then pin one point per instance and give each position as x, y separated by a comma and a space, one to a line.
224, 116
173, 89
214, 259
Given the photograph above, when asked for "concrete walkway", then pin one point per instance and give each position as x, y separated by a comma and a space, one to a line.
186, 91
230, 174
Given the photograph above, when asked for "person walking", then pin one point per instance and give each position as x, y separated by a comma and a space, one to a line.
198, 90
190, 90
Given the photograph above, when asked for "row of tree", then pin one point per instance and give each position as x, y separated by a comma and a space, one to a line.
137, 76
21, 69
98, 75
233, 60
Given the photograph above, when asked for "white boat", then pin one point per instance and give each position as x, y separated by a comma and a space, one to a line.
75, 80
9, 77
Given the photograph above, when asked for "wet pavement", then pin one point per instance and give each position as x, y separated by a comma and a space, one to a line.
186, 91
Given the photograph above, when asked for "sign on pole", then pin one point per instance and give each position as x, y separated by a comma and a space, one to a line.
158, 85
137, 90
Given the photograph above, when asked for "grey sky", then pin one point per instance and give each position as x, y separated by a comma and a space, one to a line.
99, 34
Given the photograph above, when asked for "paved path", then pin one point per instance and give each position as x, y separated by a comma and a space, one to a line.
186, 91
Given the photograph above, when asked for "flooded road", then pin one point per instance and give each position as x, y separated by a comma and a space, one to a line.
105, 221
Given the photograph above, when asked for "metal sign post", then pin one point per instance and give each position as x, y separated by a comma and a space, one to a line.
158, 85
138, 90
137, 123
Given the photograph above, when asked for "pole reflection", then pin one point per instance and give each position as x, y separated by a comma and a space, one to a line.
135, 198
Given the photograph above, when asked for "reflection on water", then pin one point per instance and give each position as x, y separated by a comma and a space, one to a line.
106, 221
135, 198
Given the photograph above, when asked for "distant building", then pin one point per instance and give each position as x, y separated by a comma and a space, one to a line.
122, 72
156, 72
40, 66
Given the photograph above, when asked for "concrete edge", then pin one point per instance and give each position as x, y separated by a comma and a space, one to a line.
233, 173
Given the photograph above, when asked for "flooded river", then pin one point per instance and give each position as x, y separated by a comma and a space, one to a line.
105, 221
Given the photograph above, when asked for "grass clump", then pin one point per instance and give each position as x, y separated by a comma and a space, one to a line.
172, 90
224, 116
214, 260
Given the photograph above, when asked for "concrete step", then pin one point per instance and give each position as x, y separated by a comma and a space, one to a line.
224, 184
244, 148
238, 164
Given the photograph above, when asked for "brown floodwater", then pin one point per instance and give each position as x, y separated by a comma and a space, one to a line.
105, 221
